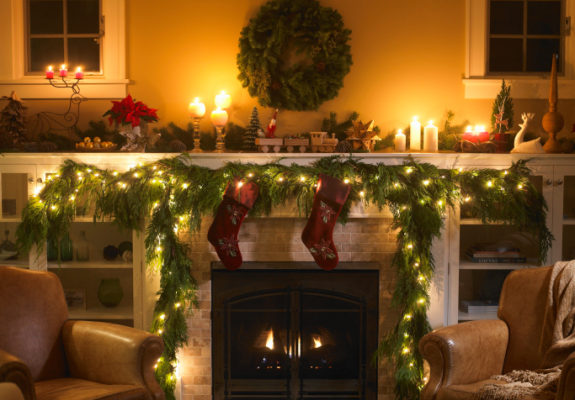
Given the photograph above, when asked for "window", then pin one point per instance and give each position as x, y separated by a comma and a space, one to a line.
87, 33
515, 40
63, 31
524, 35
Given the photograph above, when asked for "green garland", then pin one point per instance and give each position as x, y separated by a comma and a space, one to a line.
286, 29
173, 194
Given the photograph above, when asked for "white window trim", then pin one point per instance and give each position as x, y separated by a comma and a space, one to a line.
479, 86
112, 84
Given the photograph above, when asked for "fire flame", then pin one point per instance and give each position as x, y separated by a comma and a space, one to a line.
317, 342
270, 340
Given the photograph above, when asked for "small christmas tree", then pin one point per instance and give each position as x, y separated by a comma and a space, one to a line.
12, 122
502, 111
250, 135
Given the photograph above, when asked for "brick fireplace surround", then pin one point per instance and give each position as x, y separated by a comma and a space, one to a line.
277, 239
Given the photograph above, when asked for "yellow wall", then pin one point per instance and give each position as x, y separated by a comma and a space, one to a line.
409, 58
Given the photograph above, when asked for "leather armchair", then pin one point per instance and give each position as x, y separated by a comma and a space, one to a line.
50, 357
462, 357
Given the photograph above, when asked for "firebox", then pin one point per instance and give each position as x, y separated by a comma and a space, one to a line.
294, 334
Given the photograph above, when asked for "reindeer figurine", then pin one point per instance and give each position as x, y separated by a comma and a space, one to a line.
530, 147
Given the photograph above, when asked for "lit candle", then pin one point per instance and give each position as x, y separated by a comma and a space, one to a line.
196, 108
468, 134
79, 73
400, 141
223, 100
50, 72
63, 71
219, 117
415, 135
481, 133
430, 137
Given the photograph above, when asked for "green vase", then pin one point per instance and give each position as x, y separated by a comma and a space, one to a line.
66, 248
110, 292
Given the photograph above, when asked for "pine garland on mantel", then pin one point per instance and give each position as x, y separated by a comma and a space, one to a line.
173, 194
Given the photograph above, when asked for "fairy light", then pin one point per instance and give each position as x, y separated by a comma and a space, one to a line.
440, 203
405, 335
250, 175
489, 183
155, 205
177, 305
346, 181
505, 172
163, 317
396, 185
136, 175
53, 207
154, 167
410, 246
158, 249
407, 316
115, 173
409, 170
96, 174
182, 218
416, 265
421, 301
411, 365
160, 331
426, 182
302, 178
362, 194
421, 278
160, 172
520, 186
405, 350
185, 185
240, 184
281, 179
79, 173
467, 199
72, 198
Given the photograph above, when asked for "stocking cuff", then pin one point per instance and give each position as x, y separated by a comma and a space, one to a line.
333, 189
245, 194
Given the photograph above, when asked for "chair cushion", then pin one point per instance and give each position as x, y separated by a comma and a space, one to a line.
79, 389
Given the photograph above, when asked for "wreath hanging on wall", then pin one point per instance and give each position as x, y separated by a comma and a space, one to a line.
294, 54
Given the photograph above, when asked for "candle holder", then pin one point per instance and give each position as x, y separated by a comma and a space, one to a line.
66, 121
220, 137
196, 122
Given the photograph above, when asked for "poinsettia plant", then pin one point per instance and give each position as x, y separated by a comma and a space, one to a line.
127, 111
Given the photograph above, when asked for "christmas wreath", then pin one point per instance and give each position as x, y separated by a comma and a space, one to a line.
294, 54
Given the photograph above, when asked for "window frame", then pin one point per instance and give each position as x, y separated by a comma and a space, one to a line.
65, 36
479, 84
112, 83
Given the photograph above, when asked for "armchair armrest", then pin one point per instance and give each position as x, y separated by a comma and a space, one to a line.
566, 389
12, 369
112, 354
463, 353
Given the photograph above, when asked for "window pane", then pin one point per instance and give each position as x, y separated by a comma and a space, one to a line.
46, 16
544, 18
44, 52
505, 55
506, 17
540, 53
84, 52
83, 16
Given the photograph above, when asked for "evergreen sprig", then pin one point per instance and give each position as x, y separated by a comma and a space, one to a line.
172, 194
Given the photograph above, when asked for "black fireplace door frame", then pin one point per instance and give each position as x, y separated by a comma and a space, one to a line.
292, 301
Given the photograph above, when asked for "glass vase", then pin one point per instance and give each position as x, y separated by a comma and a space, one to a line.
82, 248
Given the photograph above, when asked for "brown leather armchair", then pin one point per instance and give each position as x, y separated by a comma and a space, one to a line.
463, 357
52, 358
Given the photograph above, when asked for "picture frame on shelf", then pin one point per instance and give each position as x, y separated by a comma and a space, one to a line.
75, 298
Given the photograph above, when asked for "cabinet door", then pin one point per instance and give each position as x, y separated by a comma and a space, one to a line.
17, 184
563, 185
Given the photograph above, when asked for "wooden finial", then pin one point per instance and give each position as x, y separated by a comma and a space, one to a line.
553, 85
553, 121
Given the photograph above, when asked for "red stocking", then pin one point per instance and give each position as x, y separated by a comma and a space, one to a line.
223, 233
317, 235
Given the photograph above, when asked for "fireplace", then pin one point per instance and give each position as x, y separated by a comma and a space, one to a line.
294, 334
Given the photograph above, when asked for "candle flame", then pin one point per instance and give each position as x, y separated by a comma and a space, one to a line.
63, 66
79, 69
415, 118
196, 100
469, 128
50, 68
430, 123
399, 131
317, 342
270, 340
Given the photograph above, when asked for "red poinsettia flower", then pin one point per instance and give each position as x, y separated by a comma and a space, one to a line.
127, 111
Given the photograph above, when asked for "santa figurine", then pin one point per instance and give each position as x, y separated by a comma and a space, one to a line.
271, 128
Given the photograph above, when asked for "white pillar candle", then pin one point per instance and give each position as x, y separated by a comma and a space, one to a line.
223, 100
415, 135
430, 138
399, 141
196, 108
219, 117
